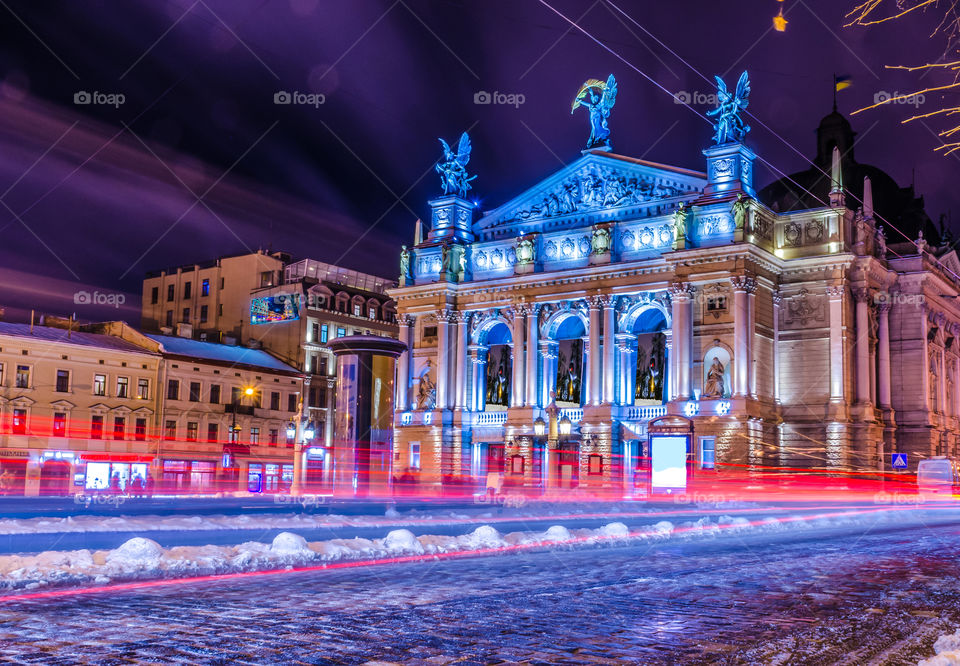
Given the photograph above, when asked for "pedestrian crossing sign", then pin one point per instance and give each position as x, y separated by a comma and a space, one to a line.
899, 461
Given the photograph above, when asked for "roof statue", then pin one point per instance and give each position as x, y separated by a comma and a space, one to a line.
729, 127
453, 168
598, 98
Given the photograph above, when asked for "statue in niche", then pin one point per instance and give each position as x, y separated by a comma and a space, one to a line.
881, 243
568, 373
446, 258
427, 392
713, 387
649, 384
598, 98
498, 381
649, 378
739, 211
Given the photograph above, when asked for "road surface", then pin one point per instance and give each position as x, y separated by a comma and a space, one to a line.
876, 594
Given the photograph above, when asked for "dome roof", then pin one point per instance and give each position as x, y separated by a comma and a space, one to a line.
897, 206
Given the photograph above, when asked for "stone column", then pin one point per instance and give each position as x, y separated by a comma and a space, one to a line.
670, 391
863, 345
460, 384
594, 359
533, 367
751, 334
548, 355
403, 363
777, 300
627, 375
835, 295
518, 373
682, 350
884, 396
478, 377
444, 358
609, 348
743, 287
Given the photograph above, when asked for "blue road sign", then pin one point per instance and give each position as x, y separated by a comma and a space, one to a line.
898, 460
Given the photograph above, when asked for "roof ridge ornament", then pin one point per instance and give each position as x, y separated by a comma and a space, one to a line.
598, 98
730, 127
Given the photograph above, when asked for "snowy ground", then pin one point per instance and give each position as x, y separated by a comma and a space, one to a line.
877, 589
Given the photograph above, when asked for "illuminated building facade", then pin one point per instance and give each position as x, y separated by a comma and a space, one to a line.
786, 330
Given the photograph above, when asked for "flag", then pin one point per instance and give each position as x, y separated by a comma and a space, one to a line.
841, 82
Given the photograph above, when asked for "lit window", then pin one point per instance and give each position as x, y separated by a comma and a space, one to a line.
324, 333
99, 384
708, 452
143, 389
372, 313
23, 376
123, 387
59, 424
356, 309
205, 288
415, 455
341, 331
254, 435
192, 429
170, 430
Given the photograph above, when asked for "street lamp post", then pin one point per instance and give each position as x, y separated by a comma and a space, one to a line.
552, 412
298, 436
238, 401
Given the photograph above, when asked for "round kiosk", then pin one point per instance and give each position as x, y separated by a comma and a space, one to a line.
363, 419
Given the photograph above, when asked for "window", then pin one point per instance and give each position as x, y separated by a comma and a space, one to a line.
356, 309
169, 317
186, 316
273, 435
203, 314
143, 389
266, 279
99, 384
258, 399
321, 396
275, 400
223, 281
254, 435
414, 455
292, 402
154, 295
170, 430
23, 376
341, 331
371, 313
59, 424
192, 429
140, 429
316, 332
220, 310
708, 447
235, 395
323, 365
119, 427
63, 381
96, 426
429, 331
213, 432
123, 387
171, 292
215, 394
173, 389
19, 424
324, 333
205, 287
187, 289
313, 399
194, 391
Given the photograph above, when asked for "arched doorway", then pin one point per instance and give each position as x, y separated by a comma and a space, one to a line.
493, 345
646, 382
565, 358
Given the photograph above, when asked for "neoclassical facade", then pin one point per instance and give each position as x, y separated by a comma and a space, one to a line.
624, 291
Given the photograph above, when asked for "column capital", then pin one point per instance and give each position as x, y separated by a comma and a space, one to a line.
777, 298
406, 319
607, 300
836, 291
745, 283
445, 315
461, 316
681, 290
521, 310
861, 294
595, 302
883, 307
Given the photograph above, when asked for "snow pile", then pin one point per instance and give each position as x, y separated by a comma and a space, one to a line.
615, 530
289, 544
403, 541
136, 552
947, 650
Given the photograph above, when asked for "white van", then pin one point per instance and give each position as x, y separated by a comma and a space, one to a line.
938, 475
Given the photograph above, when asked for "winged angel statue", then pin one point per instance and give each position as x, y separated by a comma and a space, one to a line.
598, 97
453, 168
730, 126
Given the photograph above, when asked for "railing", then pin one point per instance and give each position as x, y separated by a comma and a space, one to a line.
490, 418
644, 412
575, 414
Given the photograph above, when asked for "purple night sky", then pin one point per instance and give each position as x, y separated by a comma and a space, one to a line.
87, 206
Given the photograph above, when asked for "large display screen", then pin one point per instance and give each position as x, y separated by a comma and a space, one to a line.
271, 309
669, 453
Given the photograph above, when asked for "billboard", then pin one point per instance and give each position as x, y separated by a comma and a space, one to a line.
669, 462
272, 309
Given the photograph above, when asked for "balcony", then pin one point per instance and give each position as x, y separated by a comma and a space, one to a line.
230, 408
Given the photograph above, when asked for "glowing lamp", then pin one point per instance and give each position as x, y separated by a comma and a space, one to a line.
309, 431
291, 431
248, 391
565, 425
779, 22
539, 426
